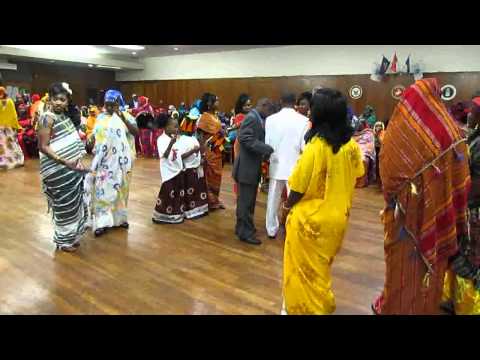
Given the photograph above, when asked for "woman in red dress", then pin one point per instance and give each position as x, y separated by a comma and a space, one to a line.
144, 116
242, 107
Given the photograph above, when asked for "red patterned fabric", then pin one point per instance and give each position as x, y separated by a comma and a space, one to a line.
426, 180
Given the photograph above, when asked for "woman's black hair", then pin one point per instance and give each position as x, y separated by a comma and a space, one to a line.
329, 118
162, 120
385, 122
241, 101
307, 95
73, 112
207, 102
144, 119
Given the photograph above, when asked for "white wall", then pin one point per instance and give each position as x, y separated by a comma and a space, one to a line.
303, 60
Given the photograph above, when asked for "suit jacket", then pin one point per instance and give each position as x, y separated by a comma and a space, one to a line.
253, 150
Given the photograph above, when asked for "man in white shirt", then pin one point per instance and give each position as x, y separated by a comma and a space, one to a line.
284, 132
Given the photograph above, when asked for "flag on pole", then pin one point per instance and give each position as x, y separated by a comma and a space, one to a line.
407, 63
384, 65
394, 63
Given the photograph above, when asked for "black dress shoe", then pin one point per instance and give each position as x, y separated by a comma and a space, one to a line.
251, 241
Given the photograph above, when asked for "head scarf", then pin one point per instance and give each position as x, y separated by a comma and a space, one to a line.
144, 107
197, 104
35, 98
476, 101
379, 123
142, 101
194, 113
115, 96
3, 92
424, 171
93, 109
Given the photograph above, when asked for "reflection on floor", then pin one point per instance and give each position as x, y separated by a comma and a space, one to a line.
198, 267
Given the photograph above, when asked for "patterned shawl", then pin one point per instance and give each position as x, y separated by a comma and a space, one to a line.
366, 140
143, 107
424, 171
209, 123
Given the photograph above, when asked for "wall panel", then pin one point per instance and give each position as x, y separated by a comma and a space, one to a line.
377, 94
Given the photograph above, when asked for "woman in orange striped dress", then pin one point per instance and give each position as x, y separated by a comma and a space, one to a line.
425, 177
211, 137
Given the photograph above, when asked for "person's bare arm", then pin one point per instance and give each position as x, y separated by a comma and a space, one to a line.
169, 148
196, 149
133, 129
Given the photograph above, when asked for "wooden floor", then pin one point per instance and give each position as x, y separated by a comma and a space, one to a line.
197, 267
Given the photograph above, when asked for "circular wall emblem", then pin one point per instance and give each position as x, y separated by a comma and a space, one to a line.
356, 92
448, 92
398, 91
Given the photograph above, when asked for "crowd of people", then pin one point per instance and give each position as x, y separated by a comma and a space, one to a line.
308, 152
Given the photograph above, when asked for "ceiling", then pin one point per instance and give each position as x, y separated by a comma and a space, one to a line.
106, 55
169, 50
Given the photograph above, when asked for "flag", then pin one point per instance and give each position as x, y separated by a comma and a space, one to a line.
407, 63
384, 66
394, 63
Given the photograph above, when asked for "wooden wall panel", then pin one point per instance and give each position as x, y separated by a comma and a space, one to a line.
37, 77
79, 79
376, 94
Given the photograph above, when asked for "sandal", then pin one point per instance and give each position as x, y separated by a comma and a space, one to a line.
100, 231
66, 248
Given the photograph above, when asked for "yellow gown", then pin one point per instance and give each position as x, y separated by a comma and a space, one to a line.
11, 154
316, 225
462, 293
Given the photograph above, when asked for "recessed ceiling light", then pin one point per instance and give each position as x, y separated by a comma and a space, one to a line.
129, 47
90, 65
175, 48
134, 53
108, 67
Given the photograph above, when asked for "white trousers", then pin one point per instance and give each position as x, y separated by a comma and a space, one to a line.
275, 190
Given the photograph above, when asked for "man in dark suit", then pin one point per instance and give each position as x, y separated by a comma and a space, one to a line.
247, 168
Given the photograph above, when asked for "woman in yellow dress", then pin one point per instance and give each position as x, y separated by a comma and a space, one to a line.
318, 206
91, 120
11, 154
462, 280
